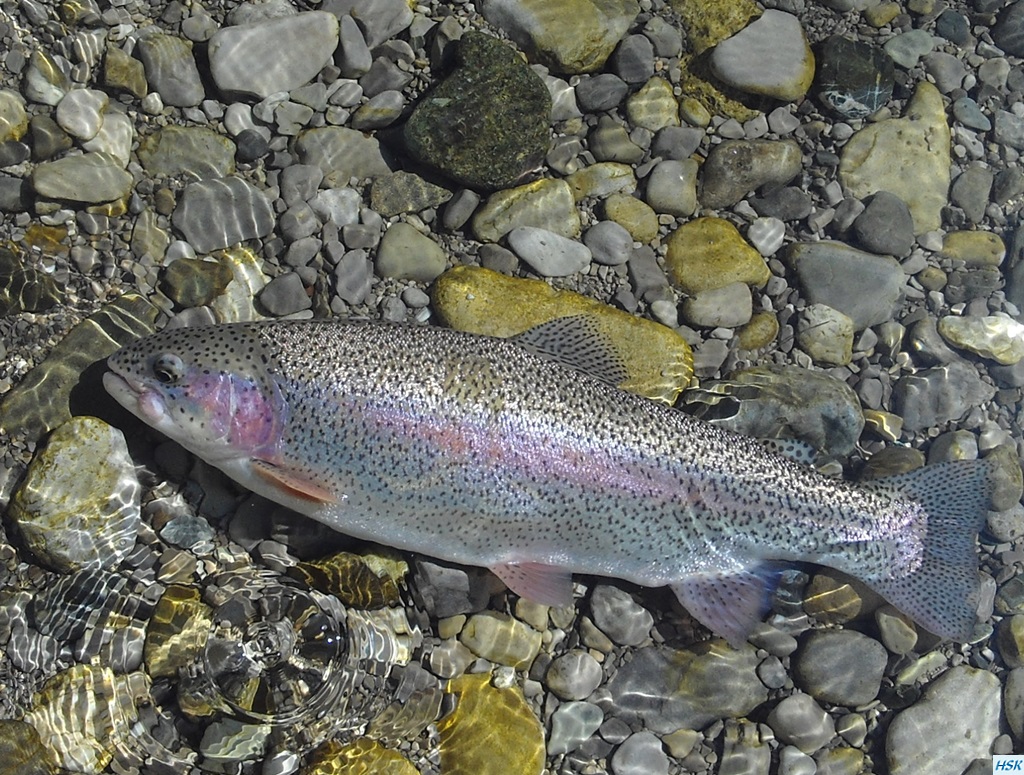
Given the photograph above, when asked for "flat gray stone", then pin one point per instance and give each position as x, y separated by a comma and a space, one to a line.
405, 254
171, 69
841, 667
547, 253
571, 725
641, 754
864, 287
800, 721
302, 44
90, 177
619, 616
666, 690
218, 213
935, 396
196, 152
961, 708
610, 244
342, 154
672, 187
886, 225
285, 295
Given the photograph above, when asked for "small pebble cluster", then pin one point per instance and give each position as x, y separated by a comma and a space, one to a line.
794, 218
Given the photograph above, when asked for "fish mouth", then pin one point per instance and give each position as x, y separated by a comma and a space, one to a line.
138, 399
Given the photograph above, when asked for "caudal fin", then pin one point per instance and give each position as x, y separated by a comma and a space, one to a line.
942, 595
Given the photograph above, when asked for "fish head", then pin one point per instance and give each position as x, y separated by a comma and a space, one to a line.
210, 388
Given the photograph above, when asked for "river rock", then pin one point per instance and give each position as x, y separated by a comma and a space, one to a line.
342, 154
486, 124
995, 337
89, 177
302, 43
574, 36
221, 212
736, 167
769, 57
187, 150
964, 704
658, 361
545, 204
826, 334
13, 116
171, 69
79, 505
854, 78
547, 253
908, 157
709, 253
864, 287
405, 254
667, 689
841, 667
934, 396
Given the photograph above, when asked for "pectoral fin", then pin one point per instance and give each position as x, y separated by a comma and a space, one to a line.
292, 483
543, 584
729, 604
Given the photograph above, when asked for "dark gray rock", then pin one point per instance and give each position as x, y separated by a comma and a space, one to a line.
971, 190
633, 60
216, 214
840, 667
486, 124
1008, 32
935, 396
171, 69
788, 203
886, 225
853, 78
600, 92
285, 295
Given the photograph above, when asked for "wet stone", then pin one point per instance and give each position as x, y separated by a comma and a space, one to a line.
23, 288
78, 506
967, 734
574, 675
863, 286
124, 73
800, 721
653, 106
342, 154
489, 725
640, 754
13, 117
569, 37
601, 92
547, 253
406, 254
908, 156
405, 192
90, 177
730, 306
546, 204
285, 295
666, 689
610, 244
22, 750
191, 282
672, 187
80, 112
769, 57
486, 124
502, 639
993, 336
817, 407
885, 226
710, 253
571, 725
825, 334
736, 167
1008, 32
788, 203
658, 361
303, 42
196, 152
840, 667
934, 396
618, 616
171, 69
854, 79
221, 212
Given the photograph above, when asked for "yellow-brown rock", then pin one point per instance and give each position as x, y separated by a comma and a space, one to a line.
635, 216
177, 631
546, 204
709, 253
658, 361
759, 332
995, 337
602, 179
908, 157
975, 248
491, 731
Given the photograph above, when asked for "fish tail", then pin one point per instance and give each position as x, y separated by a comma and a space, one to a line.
942, 594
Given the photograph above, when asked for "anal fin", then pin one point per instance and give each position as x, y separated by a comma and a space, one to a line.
730, 604
292, 483
544, 584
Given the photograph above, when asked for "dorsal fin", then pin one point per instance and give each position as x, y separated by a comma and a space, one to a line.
578, 342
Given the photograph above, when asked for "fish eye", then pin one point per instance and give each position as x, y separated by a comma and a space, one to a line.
168, 368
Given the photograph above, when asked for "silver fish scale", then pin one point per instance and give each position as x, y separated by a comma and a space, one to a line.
469, 465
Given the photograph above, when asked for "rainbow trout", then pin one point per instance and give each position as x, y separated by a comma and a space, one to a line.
521, 455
